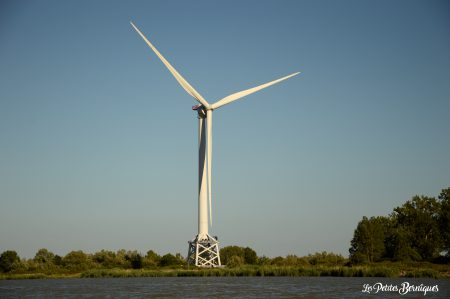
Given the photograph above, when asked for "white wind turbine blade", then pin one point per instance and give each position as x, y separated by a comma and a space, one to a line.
209, 151
235, 96
190, 90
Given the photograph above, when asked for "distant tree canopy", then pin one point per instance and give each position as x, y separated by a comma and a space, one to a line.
135, 259
171, 260
106, 258
76, 261
46, 261
9, 260
318, 258
43, 256
416, 231
236, 256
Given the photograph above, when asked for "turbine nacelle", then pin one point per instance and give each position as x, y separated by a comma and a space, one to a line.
201, 110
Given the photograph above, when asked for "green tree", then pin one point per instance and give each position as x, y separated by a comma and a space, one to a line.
151, 259
398, 246
291, 260
235, 261
76, 261
43, 261
57, 260
9, 260
43, 256
444, 219
325, 258
250, 256
263, 260
136, 261
170, 260
105, 258
247, 254
419, 220
228, 251
121, 260
181, 259
367, 244
278, 261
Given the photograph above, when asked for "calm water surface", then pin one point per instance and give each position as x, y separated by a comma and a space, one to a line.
215, 287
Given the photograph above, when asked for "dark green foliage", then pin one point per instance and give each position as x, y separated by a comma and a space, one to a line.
43, 261
76, 261
121, 259
316, 259
419, 230
317, 264
263, 260
367, 244
320, 258
105, 258
168, 260
419, 219
181, 259
9, 260
43, 256
235, 261
278, 261
398, 246
151, 259
135, 259
293, 260
246, 255
250, 256
227, 252
444, 219
57, 260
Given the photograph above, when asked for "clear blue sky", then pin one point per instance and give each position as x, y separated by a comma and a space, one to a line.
98, 141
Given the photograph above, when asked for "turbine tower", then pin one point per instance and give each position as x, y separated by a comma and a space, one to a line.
204, 249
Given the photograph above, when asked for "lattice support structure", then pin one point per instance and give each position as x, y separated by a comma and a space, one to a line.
204, 252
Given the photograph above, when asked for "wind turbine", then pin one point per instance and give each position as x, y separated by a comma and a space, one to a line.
204, 249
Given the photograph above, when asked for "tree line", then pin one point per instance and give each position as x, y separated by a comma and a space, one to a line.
47, 262
419, 230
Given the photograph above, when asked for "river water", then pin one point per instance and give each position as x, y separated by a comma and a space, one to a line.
222, 287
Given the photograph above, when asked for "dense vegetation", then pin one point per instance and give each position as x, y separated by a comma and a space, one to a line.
48, 263
412, 242
419, 230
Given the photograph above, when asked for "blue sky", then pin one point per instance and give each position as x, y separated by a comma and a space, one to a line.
98, 141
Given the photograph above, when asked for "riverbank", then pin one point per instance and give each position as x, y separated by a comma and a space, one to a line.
375, 270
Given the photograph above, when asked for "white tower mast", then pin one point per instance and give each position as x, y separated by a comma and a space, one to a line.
204, 249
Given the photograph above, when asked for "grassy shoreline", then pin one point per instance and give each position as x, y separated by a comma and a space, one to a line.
397, 271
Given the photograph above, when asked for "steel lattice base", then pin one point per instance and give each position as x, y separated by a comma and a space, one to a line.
204, 253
